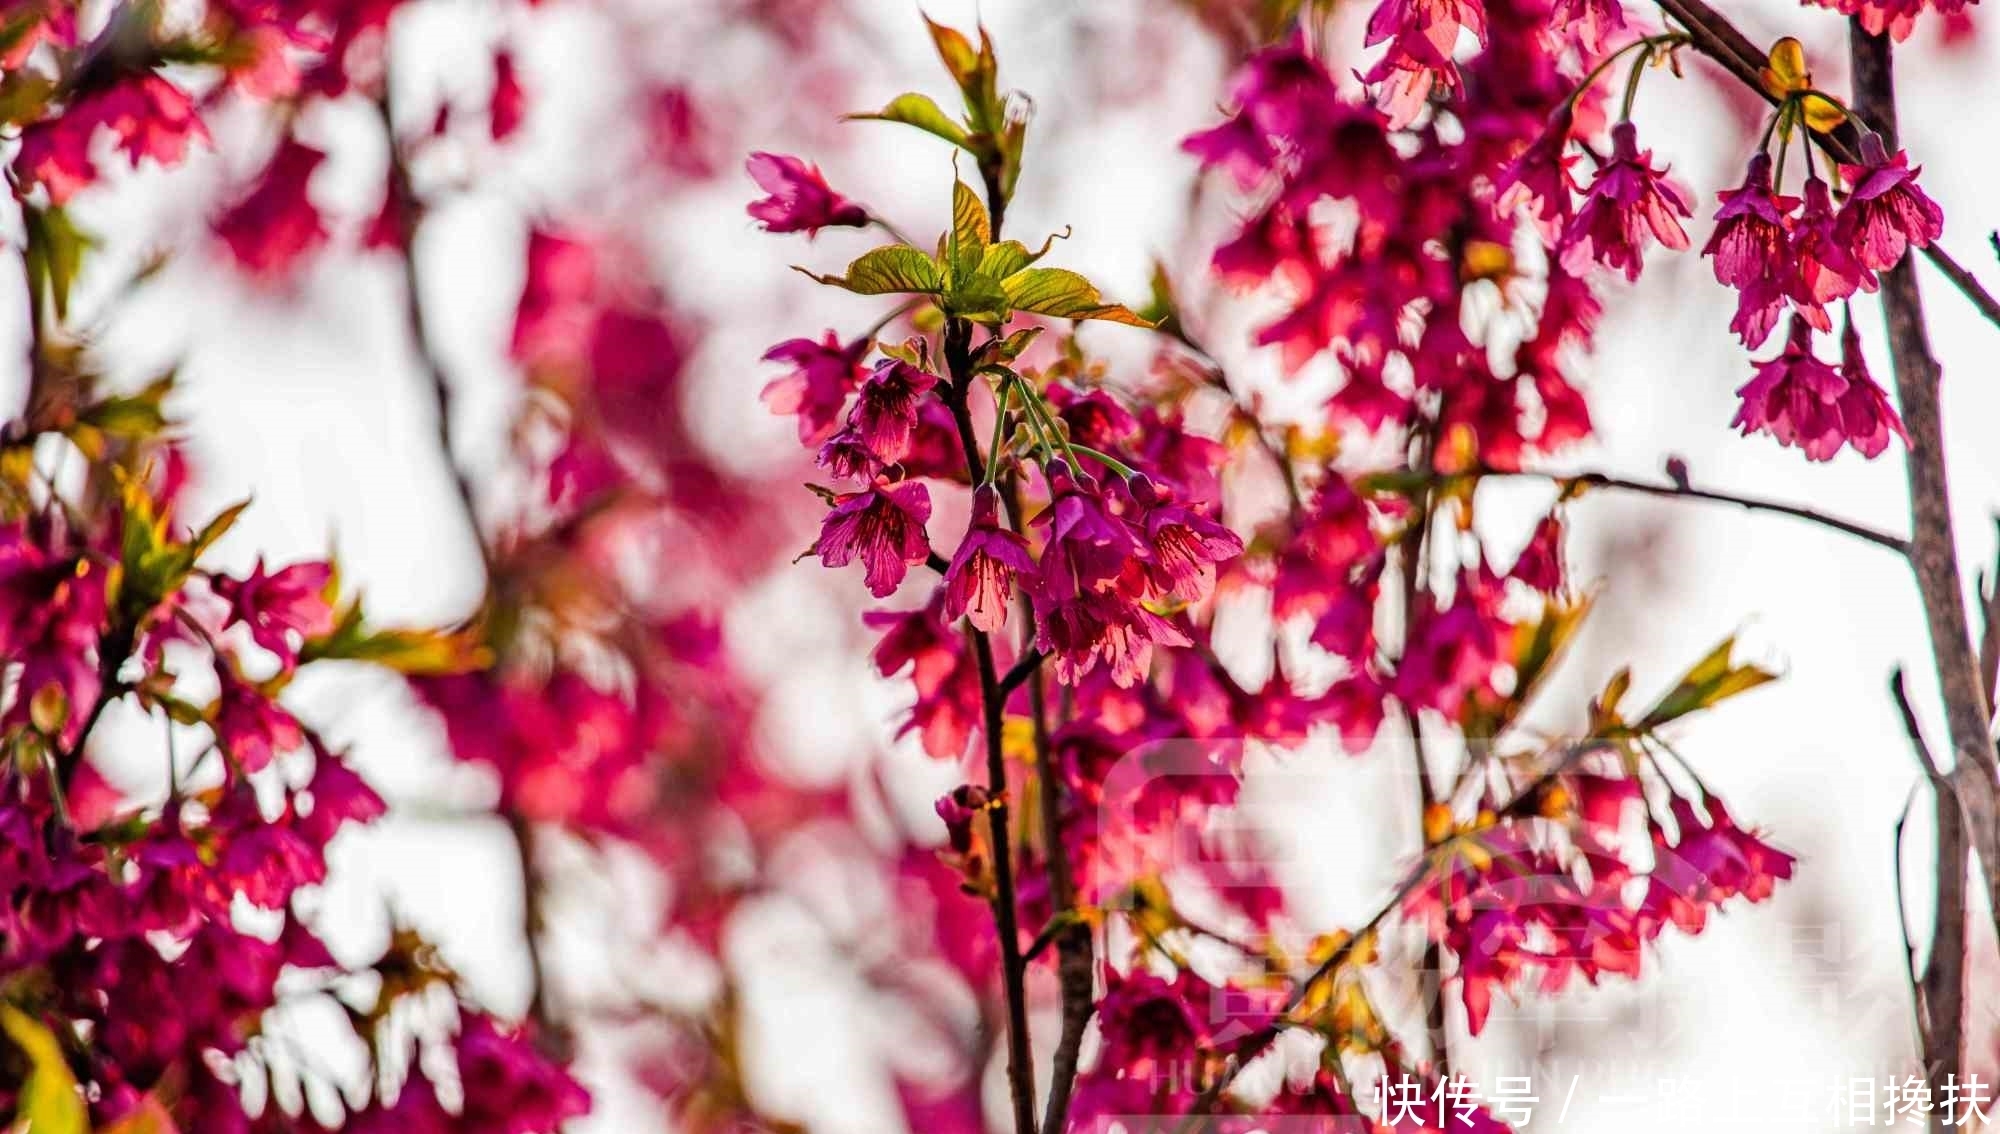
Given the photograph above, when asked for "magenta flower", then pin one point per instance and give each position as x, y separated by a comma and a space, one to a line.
1086, 545
249, 724
847, 456
823, 374
1749, 239
1897, 18
1185, 545
1749, 251
282, 610
1629, 201
800, 200
275, 225
883, 527
151, 117
1540, 176
885, 415
1826, 268
1795, 398
1591, 23
1426, 31
1865, 413
942, 670
1081, 628
1886, 214
508, 107
510, 1087
980, 584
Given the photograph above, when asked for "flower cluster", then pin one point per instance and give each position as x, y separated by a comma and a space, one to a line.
1096, 548
154, 939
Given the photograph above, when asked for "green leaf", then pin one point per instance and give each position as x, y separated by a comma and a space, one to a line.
54, 256
137, 415
978, 297
969, 66
410, 651
1010, 256
971, 230
1713, 679
889, 269
216, 529
917, 110
1538, 646
1162, 309
1063, 294
49, 1102
1001, 351
24, 95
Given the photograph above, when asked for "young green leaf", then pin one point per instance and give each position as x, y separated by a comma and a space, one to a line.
54, 255
49, 1102
1713, 679
1064, 294
913, 109
889, 269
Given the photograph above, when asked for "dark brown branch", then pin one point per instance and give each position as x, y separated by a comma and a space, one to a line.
1749, 503
1933, 559
1028, 666
1020, 1058
410, 217
410, 213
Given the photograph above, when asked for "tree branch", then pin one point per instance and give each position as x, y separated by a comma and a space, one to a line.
1748, 503
1933, 557
1020, 1057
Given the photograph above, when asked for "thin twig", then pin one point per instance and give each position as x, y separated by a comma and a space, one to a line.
1989, 637
1030, 663
1862, 532
411, 214
1020, 1058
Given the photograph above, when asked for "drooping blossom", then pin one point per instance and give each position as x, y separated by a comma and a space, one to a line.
942, 671
1885, 214
883, 527
1896, 18
885, 412
1628, 203
249, 723
823, 375
1825, 268
1592, 23
1185, 546
1540, 178
979, 585
1865, 414
1748, 251
1796, 398
800, 199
